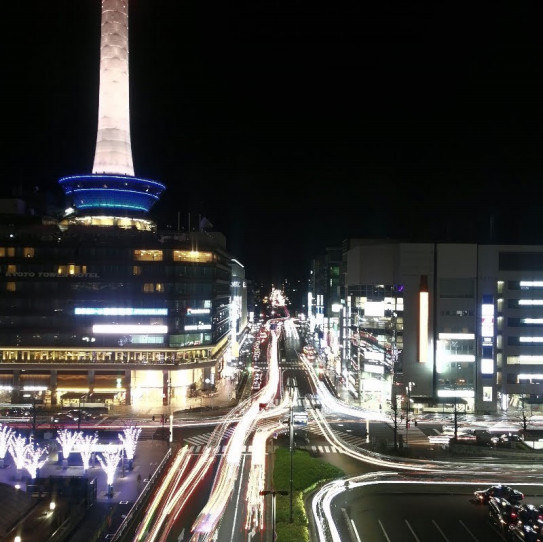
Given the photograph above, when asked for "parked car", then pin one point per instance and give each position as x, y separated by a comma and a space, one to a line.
16, 412
62, 418
514, 496
532, 515
502, 513
522, 533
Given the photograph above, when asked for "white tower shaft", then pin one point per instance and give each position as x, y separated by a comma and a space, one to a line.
113, 148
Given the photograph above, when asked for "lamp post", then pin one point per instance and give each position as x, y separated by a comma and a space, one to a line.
291, 439
273, 494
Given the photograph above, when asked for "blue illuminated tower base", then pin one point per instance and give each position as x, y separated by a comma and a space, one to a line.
110, 193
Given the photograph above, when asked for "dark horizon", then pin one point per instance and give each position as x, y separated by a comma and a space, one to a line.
293, 127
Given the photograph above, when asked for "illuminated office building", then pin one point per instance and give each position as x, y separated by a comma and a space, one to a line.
99, 305
461, 324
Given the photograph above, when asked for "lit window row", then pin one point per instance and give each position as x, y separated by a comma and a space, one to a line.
194, 256
9, 252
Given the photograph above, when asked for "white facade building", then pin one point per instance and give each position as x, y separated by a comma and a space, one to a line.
463, 323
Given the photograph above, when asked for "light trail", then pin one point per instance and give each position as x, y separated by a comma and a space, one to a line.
176, 471
208, 521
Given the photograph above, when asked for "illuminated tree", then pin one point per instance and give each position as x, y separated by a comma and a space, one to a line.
130, 441
6, 435
87, 444
109, 463
17, 449
67, 439
35, 458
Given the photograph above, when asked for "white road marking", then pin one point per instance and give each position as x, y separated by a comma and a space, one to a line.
440, 531
468, 531
412, 531
383, 529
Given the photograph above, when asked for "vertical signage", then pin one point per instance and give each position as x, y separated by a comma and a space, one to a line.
487, 335
424, 311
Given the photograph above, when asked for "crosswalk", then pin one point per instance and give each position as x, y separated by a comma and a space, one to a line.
203, 439
197, 442
321, 449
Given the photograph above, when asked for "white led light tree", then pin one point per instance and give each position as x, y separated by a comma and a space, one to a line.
87, 444
17, 449
67, 439
109, 463
129, 438
6, 435
35, 458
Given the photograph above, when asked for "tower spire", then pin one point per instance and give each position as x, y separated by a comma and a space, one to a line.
113, 153
112, 189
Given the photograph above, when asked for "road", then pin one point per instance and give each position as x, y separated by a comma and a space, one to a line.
419, 512
418, 515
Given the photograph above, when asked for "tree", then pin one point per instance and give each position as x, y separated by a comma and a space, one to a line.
17, 449
109, 462
6, 436
35, 458
394, 415
87, 444
67, 439
129, 438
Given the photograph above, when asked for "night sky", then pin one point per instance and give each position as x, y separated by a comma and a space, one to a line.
294, 125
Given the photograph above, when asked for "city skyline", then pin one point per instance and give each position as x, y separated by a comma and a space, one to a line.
291, 128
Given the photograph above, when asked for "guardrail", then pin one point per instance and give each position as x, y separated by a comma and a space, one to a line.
141, 500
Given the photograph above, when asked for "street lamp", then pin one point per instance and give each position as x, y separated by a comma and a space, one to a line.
273, 494
291, 439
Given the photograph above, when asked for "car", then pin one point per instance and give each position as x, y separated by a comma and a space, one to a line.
502, 513
522, 533
532, 515
514, 496
61, 417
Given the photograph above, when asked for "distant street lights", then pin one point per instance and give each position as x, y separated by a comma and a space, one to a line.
273, 494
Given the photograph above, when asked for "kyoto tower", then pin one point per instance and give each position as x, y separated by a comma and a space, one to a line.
112, 189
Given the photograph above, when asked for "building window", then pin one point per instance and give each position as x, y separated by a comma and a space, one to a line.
136, 270
487, 394
9, 251
192, 256
11, 269
148, 255
71, 269
150, 287
28, 252
10, 286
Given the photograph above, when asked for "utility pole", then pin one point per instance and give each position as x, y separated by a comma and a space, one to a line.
79, 416
273, 494
291, 429
407, 408
33, 414
407, 417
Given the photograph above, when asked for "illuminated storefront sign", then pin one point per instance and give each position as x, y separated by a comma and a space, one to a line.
119, 311
121, 329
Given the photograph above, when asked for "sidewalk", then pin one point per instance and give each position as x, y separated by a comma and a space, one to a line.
222, 397
108, 511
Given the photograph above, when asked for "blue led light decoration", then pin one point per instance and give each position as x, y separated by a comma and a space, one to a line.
111, 192
112, 186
